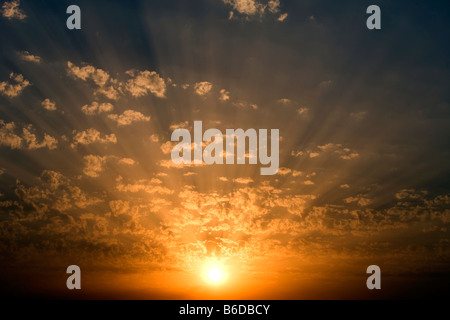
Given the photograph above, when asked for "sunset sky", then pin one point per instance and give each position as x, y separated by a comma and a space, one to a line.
86, 177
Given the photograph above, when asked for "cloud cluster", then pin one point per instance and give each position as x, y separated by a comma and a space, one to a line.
97, 108
91, 136
252, 8
11, 10
105, 85
342, 152
145, 82
129, 117
11, 136
141, 83
15, 88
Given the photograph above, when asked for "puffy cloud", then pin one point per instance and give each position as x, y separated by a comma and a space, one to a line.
13, 90
98, 76
11, 10
285, 101
274, 6
129, 117
94, 165
97, 108
360, 200
345, 186
26, 56
12, 137
203, 88
32, 142
49, 105
252, 8
144, 82
224, 95
91, 136
106, 86
7, 136
246, 7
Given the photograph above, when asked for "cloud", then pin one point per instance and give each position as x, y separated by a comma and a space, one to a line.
94, 165
13, 90
285, 101
255, 8
189, 174
129, 117
87, 72
96, 108
242, 104
14, 138
181, 125
11, 10
127, 161
154, 138
91, 136
203, 88
243, 180
303, 111
7, 136
55, 191
224, 95
167, 147
145, 82
246, 7
345, 186
284, 171
360, 200
296, 153
49, 105
32, 143
106, 85
26, 56
150, 186
282, 17
331, 148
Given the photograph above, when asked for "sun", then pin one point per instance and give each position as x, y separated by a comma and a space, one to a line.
214, 274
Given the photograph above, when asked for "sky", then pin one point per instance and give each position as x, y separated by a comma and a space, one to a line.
86, 176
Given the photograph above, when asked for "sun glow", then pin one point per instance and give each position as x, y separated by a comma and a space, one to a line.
214, 274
